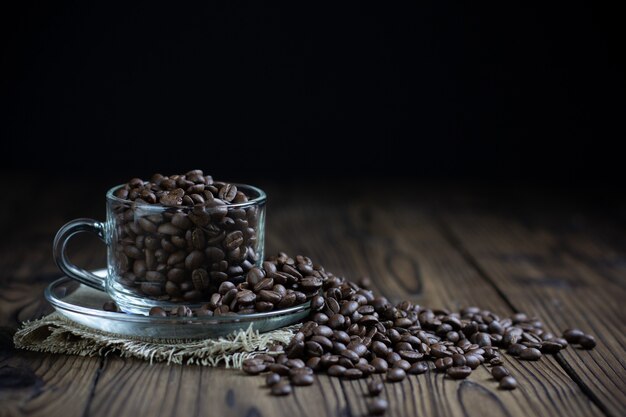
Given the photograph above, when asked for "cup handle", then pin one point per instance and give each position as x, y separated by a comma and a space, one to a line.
60, 253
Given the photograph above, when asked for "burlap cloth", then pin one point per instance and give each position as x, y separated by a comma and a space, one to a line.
56, 334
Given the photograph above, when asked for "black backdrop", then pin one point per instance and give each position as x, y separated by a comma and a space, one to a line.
512, 91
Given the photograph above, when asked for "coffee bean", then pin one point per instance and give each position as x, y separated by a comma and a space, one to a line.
402, 364
233, 240
458, 360
571, 335
374, 387
443, 364
302, 379
157, 312
253, 366
472, 361
550, 347
380, 365
530, 354
395, 375
336, 370
336, 321
281, 388
499, 372
516, 349
459, 372
245, 297
315, 349
377, 407
508, 383
348, 308
264, 284
587, 341
353, 373
418, 368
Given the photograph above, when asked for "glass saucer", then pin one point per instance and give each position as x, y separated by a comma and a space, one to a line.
83, 305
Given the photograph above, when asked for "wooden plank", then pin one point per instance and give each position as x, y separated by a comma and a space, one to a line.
407, 257
34, 383
529, 266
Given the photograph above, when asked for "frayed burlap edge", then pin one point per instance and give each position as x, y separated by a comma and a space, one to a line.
57, 334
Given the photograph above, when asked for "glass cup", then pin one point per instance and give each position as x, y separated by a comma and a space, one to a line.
163, 256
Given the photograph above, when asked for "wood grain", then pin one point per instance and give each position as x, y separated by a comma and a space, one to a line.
412, 250
404, 254
532, 271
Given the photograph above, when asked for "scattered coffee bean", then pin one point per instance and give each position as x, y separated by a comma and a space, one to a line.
374, 387
395, 375
459, 372
530, 354
353, 334
499, 372
272, 379
587, 341
573, 335
302, 379
418, 368
508, 383
281, 388
377, 406
253, 366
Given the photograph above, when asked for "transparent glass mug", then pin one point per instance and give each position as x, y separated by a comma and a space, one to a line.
163, 256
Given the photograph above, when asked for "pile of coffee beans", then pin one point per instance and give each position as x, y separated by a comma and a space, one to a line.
179, 237
352, 334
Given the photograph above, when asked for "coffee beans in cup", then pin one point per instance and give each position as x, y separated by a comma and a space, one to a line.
179, 237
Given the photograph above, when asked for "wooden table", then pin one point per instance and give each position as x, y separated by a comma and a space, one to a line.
442, 246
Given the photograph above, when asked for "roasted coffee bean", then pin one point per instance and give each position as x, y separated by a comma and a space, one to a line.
508, 383
317, 303
530, 354
405, 365
336, 370
516, 349
245, 297
348, 308
418, 368
458, 360
550, 347
302, 379
380, 365
459, 372
183, 311
157, 312
336, 321
281, 388
353, 373
270, 296
264, 284
233, 240
499, 372
571, 335
377, 407
443, 364
253, 366
587, 341
374, 387
395, 375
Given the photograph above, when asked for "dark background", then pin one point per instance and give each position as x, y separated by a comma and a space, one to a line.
511, 92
